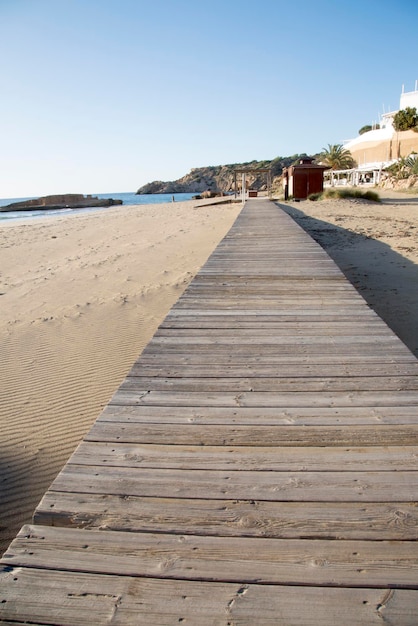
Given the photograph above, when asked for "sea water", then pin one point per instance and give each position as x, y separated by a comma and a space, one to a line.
128, 198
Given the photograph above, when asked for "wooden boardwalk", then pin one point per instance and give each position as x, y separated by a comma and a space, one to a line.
258, 466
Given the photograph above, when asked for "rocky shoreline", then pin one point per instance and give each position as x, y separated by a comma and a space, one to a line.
65, 201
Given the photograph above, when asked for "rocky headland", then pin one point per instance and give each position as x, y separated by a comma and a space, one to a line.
220, 178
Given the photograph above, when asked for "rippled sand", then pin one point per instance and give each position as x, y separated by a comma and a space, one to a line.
81, 296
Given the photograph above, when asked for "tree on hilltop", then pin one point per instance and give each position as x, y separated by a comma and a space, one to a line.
406, 119
337, 157
367, 128
364, 129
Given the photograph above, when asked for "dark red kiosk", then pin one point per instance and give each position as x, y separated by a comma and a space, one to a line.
304, 178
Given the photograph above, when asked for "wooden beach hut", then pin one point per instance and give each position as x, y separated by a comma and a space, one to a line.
305, 178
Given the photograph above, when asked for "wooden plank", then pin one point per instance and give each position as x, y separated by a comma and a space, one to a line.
201, 301
300, 349
241, 319
277, 314
266, 283
230, 559
282, 328
229, 353
383, 340
217, 319
280, 289
226, 518
274, 358
296, 416
267, 399
66, 598
243, 435
219, 382
279, 370
257, 307
252, 267
241, 485
371, 458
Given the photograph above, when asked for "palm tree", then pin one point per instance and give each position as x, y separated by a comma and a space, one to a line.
337, 157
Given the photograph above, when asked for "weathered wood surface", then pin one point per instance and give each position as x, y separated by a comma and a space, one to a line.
77, 598
241, 485
243, 518
239, 458
252, 435
257, 466
316, 562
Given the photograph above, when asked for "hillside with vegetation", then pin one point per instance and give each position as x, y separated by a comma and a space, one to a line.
220, 178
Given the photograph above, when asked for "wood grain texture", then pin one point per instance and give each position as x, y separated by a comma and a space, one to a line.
257, 466
72, 598
242, 458
284, 399
267, 416
241, 485
244, 518
254, 435
231, 559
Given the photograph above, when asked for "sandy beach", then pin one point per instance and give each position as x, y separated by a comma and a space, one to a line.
81, 296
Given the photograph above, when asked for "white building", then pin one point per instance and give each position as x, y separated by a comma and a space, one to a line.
374, 150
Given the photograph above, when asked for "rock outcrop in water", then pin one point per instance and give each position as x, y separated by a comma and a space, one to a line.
65, 201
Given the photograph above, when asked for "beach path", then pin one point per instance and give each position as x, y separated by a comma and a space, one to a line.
257, 466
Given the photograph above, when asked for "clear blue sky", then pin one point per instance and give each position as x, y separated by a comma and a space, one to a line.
106, 95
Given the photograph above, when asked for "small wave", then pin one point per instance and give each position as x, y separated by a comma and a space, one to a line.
128, 198
14, 215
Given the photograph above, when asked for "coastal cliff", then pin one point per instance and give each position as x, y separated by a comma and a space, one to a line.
220, 178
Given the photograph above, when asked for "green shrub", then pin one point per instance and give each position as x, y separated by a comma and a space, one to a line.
367, 127
333, 193
404, 167
315, 196
371, 195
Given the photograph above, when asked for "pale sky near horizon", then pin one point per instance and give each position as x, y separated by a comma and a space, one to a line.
103, 96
